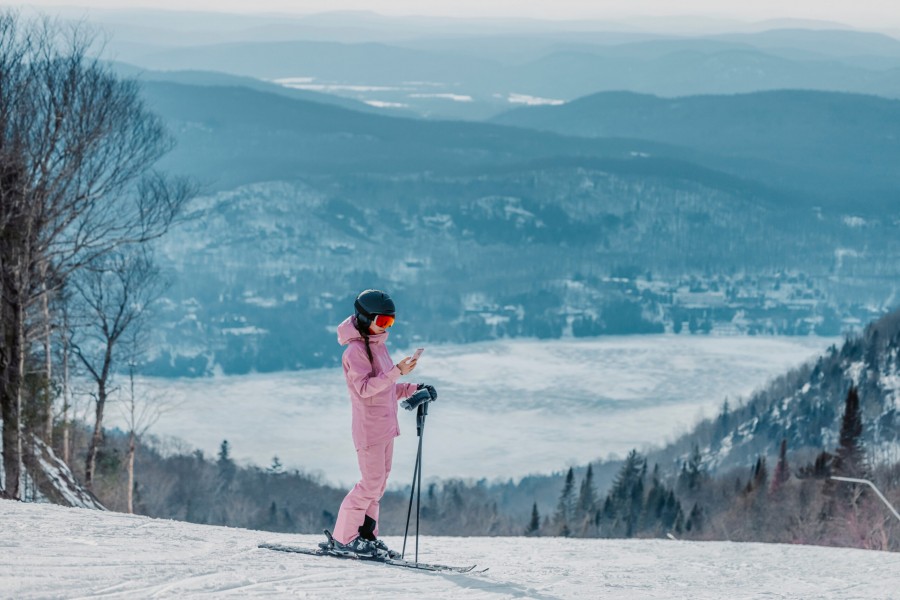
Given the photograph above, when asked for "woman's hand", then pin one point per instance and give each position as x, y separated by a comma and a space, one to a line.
406, 365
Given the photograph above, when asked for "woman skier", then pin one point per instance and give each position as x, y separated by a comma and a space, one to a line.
374, 393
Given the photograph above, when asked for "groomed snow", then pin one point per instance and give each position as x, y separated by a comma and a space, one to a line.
54, 552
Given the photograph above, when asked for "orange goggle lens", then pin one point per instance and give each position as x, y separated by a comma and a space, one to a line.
384, 321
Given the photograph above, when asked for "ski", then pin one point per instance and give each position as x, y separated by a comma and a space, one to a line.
394, 562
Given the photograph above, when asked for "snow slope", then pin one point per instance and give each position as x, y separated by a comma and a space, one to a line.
48, 551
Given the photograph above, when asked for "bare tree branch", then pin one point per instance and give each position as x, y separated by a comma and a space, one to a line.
77, 149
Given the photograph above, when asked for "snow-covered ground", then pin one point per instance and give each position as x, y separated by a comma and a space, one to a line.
54, 552
505, 409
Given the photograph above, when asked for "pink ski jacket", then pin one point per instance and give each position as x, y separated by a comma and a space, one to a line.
374, 391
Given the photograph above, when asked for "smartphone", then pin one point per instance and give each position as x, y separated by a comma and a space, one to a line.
418, 353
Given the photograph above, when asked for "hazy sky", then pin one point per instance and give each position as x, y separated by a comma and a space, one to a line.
882, 14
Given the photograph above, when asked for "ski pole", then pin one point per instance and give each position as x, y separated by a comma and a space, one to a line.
423, 410
412, 491
417, 480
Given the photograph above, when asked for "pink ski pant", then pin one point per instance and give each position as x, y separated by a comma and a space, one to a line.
363, 499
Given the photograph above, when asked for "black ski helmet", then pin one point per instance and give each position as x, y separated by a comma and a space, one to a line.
370, 303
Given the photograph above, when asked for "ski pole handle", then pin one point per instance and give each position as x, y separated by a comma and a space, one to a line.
413, 402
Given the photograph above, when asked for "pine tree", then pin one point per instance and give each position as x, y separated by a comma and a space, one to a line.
679, 521
226, 466
782, 471
656, 500
565, 505
587, 496
695, 520
723, 424
625, 501
534, 526
692, 472
671, 512
636, 504
820, 468
659, 504
760, 473
850, 459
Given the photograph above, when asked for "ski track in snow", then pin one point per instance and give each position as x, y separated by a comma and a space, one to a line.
505, 408
55, 552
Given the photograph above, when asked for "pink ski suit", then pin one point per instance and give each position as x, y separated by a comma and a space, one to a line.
374, 393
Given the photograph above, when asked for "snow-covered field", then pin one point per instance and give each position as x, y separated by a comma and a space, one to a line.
505, 409
54, 552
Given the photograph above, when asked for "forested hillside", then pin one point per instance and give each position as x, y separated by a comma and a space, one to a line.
519, 232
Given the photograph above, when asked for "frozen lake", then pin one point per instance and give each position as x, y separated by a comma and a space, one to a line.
505, 409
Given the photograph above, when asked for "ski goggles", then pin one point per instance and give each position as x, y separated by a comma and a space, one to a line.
383, 321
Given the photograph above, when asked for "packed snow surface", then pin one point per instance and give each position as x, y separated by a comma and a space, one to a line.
505, 408
54, 552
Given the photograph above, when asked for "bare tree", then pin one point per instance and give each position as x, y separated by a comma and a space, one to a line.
142, 409
65, 388
77, 147
114, 292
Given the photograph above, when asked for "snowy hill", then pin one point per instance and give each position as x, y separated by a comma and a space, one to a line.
47, 478
805, 406
55, 552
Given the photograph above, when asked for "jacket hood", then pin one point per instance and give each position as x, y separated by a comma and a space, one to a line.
347, 332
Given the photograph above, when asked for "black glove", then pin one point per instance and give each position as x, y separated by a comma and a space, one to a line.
430, 388
413, 402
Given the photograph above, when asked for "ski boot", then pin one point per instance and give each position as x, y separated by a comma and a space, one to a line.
367, 532
358, 546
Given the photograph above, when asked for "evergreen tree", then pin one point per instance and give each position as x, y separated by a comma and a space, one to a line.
226, 466
850, 459
636, 504
782, 471
661, 507
679, 522
821, 467
564, 508
625, 501
534, 526
671, 512
587, 496
723, 424
760, 473
692, 472
695, 520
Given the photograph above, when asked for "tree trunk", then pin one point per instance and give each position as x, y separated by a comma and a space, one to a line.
20, 379
48, 362
131, 447
65, 389
96, 439
11, 356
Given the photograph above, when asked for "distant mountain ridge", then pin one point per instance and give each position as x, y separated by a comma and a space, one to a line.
478, 74
219, 79
823, 147
822, 142
237, 135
